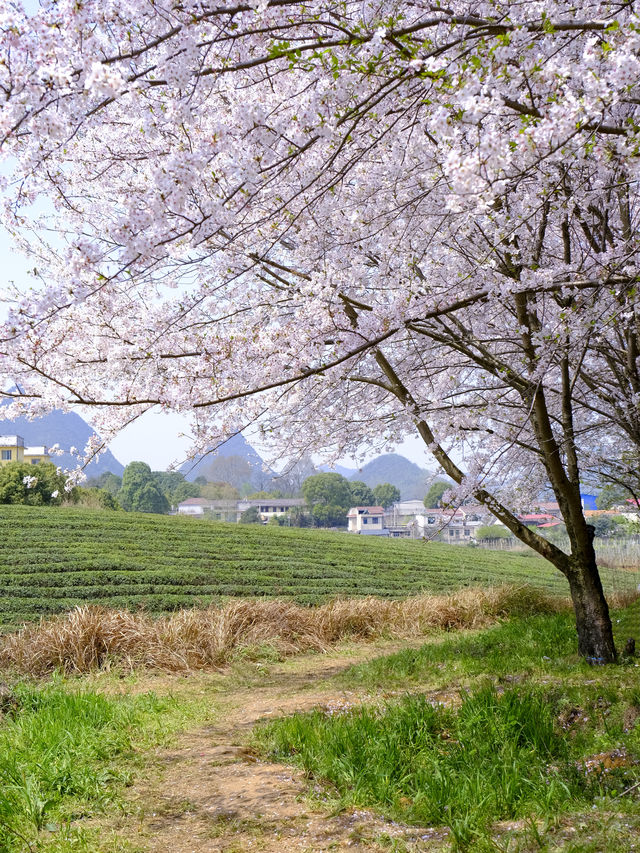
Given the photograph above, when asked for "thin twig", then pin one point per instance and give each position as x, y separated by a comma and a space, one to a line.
637, 784
16, 833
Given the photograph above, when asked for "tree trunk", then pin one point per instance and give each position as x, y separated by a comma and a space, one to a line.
593, 623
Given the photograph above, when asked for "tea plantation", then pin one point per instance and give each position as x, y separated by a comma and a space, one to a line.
54, 558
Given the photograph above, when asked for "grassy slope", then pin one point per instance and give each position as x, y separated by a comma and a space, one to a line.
514, 727
53, 559
535, 746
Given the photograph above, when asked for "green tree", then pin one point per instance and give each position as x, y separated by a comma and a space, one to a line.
612, 495
151, 499
94, 498
361, 494
604, 526
35, 485
174, 487
493, 531
329, 515
299, 518
328, 496
327, 489
111, 482
219, 491
385, 495
608, 526
140, 491
183, 491
433, 498
250, 516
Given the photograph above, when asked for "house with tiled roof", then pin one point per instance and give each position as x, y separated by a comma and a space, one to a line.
367, 520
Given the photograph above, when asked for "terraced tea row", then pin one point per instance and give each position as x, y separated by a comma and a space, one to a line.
55, 558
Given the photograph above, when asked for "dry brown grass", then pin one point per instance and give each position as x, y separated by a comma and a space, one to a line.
92, 637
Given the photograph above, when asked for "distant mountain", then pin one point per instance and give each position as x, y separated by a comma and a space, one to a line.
412, 480
233, 462
67, 429
339, 469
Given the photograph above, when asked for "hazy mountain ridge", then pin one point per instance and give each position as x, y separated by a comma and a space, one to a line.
412, 480
236, 446
349, 473
68, 429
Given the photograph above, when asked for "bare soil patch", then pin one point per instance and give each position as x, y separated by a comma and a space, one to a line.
208, 793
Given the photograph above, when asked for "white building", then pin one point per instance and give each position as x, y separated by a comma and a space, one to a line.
367, 520
270, 507
195, 506
449, 525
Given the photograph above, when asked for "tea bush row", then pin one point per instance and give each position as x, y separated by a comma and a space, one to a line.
54, 558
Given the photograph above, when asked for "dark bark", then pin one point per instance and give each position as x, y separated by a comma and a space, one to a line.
593, 623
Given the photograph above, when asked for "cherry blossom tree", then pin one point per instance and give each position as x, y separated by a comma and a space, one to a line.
344, 222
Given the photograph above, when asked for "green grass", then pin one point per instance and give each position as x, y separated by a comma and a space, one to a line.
523, 743
540, 644
529, 714
497, 757
55, 558
66, 753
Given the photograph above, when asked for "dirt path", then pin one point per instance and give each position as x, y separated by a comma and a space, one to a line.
208, 794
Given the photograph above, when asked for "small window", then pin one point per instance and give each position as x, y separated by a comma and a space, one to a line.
365, 520
34, 461
6, 455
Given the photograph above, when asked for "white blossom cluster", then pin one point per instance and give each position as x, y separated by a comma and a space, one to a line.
251, 209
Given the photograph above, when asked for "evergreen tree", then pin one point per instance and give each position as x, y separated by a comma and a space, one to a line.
36, 485
361, 494
250, 516
433, 498
385, 495
140, 492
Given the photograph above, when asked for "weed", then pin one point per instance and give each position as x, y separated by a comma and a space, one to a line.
66, 754
536, 736
92, 637
507, 651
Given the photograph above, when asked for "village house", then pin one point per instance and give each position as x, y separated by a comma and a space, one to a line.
270, 507
12, 449
450, 525
367, 520
537, 519
231, 510
218, 510
548, 508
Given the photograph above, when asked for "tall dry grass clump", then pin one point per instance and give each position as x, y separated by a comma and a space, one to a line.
92, 637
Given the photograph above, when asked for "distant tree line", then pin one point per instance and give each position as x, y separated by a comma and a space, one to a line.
328, 496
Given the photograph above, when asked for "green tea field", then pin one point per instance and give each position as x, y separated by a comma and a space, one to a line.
55, 558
